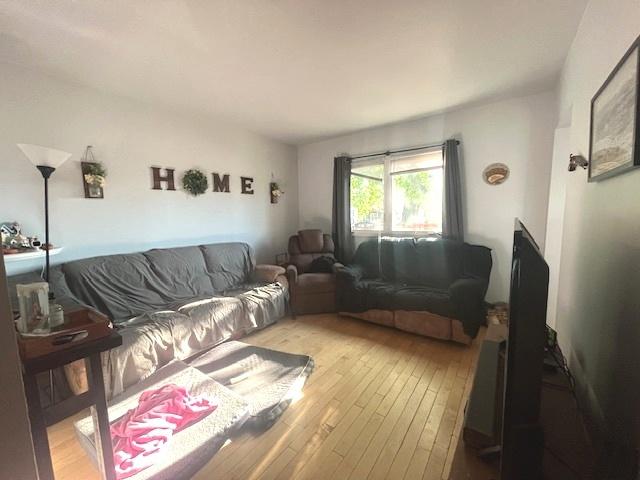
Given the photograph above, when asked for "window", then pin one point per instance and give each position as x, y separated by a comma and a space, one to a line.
367, 196
398, 194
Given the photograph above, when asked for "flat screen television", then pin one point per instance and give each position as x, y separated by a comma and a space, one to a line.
522, 436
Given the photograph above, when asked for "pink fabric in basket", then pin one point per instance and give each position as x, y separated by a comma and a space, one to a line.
143, 432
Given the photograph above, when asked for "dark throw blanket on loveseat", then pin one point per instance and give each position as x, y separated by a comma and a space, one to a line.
445, 278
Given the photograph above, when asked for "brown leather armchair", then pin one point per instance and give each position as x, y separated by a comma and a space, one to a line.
310, 292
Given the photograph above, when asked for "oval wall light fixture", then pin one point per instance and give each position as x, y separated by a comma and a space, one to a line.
496, 173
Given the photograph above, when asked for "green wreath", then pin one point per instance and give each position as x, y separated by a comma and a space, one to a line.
195, 182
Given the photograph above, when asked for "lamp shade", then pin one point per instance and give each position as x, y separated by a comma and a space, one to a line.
43, 156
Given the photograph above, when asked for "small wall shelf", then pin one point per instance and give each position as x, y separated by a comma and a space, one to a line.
17, 257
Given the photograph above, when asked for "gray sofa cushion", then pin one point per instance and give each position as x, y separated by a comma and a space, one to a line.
154, 339
262, 303
147, 344
422, 261
398, 261
418, 298
128, 285
181, 270
379, 294
120, 286
440, 263
228, 264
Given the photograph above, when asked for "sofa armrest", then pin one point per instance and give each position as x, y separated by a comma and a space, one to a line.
283, 281
349, 273
468, 288
292, 275
267, 273
467, 295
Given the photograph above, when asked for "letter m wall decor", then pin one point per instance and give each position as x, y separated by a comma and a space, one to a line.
220, 184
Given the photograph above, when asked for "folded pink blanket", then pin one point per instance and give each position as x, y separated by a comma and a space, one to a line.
143, 432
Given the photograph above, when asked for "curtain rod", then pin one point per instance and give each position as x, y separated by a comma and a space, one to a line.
391, 152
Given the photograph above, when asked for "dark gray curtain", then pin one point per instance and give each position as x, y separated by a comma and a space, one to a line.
452, 226
341, 221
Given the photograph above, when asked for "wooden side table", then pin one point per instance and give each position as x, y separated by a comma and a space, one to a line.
94, 398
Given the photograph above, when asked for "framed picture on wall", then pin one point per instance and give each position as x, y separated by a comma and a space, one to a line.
614, 146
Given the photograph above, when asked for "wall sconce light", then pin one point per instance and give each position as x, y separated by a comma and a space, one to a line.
576, 161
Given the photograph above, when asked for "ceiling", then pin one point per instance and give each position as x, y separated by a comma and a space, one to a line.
297, 70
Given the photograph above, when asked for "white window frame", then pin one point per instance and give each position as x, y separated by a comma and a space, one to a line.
387, 229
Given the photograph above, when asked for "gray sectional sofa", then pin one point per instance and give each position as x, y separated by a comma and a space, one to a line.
169, 304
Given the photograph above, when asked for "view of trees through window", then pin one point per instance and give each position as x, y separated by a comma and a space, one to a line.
414, 195
367, 197
414, 186
417, 201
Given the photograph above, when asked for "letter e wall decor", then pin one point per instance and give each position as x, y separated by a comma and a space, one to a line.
245, 185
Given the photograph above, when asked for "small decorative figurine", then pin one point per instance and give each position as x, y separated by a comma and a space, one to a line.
14, 241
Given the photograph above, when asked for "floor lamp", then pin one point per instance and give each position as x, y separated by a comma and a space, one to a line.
46, 160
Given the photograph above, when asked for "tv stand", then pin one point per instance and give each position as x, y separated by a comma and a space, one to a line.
568, 454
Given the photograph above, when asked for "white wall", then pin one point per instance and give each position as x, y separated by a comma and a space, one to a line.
129, 137
598, 314
555, 217
518, 132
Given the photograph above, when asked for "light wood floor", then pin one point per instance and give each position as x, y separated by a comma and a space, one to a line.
380, 404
